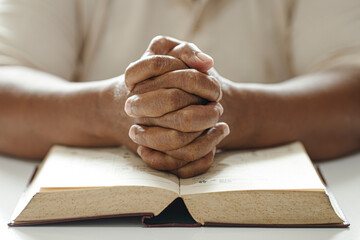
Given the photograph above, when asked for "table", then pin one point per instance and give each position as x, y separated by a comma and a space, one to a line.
342, 176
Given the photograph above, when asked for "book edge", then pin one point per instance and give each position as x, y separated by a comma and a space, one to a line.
143, 215
335, 205
24, 197
345, 224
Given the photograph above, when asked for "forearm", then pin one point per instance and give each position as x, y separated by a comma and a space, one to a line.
38, 110
322, 110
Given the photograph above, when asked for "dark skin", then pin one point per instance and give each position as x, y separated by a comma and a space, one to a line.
321, 109
318, 109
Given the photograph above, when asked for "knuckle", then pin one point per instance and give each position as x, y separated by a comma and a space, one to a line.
225, 128
209, 160
192, 74
156, 63
173, 98
184, 49
159, 39
219, 128
191, 153
134, 101
157, 44
189, 156
188, 47
219, 131
192, 46
130, 67
214, 114
215, 84
185, 119
222, 129
129, 71
189, 79
207, 164
175, 138
175, 164
218, 89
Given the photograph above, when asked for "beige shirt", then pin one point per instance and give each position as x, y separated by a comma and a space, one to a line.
250, 40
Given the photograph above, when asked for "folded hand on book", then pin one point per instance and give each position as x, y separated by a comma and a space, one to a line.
174, 101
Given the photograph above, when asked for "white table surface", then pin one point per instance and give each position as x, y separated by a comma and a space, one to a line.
342, 176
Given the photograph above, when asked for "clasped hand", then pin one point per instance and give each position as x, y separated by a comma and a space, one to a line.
174, 103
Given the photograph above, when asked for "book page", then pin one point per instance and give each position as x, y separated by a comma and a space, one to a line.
67, 167
281, 168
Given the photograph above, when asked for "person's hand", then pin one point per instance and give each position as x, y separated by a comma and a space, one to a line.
176, 108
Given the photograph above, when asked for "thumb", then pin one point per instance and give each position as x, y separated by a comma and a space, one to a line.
192, 56
161, 45
189, 53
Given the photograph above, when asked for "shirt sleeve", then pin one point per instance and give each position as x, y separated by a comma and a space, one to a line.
40, 34
325, 34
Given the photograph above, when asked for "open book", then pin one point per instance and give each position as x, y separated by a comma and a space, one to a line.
270, 187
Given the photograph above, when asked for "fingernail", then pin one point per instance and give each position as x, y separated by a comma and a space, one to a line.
227, 130
139, 150
214, 150
221, 109
217, 82
132, 133
220, 96
127, 108
204, 57
126, 86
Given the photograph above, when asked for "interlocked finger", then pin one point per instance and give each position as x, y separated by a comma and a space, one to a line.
189, 53
192, 56
161, 139
159, 160
196, 167
150, 66
201, 145
188, 80
192, 118
159, 102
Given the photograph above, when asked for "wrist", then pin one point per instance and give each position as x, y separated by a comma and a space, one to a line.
252, 112
236, 114
114, 122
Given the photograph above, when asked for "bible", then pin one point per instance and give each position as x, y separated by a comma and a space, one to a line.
276, 186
